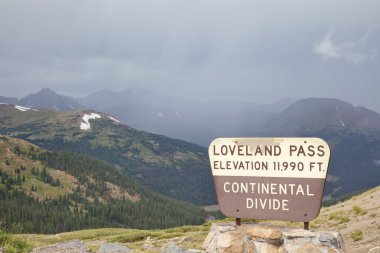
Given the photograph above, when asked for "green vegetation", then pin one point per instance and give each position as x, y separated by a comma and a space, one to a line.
92, 194
358, 210
12, 244
172, 167
134, 237
356, 235
340, 217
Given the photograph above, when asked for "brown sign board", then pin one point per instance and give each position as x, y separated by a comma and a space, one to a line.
270, 178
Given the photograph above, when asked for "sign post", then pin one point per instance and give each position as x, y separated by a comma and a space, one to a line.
270, 178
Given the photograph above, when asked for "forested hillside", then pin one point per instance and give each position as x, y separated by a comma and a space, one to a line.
172, 167
50, 192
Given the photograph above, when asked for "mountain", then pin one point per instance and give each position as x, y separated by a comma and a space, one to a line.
44, 99
196, 122
49, 99
172, 167
50, 192
181, 170
323, 113
353, 134
8, 100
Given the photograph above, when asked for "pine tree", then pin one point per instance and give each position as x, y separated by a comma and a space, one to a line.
18, 180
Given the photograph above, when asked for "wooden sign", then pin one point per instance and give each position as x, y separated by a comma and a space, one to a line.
270, 178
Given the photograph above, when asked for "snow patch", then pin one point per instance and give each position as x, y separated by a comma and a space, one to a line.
112, 118
377, 162
86, 124
24, 109
342, 123
71, 106
160, 114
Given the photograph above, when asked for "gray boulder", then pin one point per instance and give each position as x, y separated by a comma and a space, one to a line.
73, 246
113, 248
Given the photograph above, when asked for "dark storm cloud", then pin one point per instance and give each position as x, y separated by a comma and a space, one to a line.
256, 51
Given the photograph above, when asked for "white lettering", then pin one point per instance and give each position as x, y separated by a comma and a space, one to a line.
224, 186
267, 204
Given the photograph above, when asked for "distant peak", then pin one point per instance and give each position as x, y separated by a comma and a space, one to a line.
47, 91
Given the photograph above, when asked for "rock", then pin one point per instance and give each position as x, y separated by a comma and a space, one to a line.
232, 242
374, 250
308, 248
1, 250
172, 248
254, 238
298, 233
194, 251
148, 246
73, 246
113, 248
224, 241
270, 248
266, 234
330, 239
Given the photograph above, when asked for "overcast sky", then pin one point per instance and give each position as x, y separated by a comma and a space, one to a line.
257, 51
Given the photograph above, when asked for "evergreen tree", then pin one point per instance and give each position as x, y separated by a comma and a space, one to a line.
18, 180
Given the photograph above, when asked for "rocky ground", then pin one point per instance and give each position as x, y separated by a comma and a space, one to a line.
262, 238
358, 219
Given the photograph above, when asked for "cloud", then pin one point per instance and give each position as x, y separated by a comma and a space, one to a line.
244, 50
354, 52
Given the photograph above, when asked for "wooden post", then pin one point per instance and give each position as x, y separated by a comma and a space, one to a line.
306, 225
238, 221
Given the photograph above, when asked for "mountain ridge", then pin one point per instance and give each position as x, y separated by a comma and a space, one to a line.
163, 164
320, 113
352, 133
45, 99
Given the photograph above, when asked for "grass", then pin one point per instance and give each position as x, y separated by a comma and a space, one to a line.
16, 161
356, 235
134, 237
340, 216
358, 210
12, 244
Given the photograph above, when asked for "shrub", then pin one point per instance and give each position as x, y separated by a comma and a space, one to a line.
340, 217
13, 245
356, 235
358, 210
